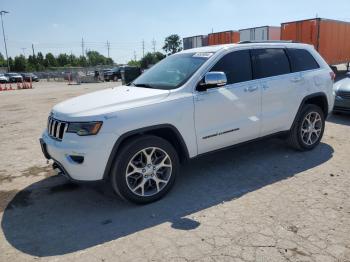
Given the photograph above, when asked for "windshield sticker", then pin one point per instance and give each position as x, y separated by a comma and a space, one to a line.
205, 55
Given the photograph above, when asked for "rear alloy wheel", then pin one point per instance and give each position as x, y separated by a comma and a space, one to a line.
311, 128
307, 131
145, 169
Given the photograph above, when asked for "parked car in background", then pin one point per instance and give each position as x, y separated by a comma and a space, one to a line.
342, 96
129, 73
14, 77
189, 104
28, 76
112, 74
3, 79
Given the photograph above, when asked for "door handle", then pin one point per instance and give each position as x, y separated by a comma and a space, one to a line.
199, 98
251, 88
296, 79
265, 86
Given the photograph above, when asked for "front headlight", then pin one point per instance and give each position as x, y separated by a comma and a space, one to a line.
84, 128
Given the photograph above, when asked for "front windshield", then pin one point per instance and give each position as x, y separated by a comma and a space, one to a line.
172, 72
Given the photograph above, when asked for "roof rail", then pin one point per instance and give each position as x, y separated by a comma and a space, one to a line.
266, 41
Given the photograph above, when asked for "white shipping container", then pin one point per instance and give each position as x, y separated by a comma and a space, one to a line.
195, 41
260, 33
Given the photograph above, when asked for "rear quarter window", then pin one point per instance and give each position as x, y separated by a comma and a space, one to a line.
301, 60
269, 62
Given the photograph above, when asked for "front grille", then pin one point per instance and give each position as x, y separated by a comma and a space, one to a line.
342, 109
56, 128
344, 94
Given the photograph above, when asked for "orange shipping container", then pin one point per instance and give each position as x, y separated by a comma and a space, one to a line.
227, 37
330, 38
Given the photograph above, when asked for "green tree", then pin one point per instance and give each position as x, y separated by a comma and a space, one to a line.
109, 61
172, 44
134, 63
2, 60
11, 63
82, 61
31, 63
50, 60
151, 59
19, 64
95, 58
62, 60
40, 59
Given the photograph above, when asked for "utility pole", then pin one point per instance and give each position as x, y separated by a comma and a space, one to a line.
108, 47
135, 55
143, 48
24, 51
82, 47
3, 12
33, 50
154, 45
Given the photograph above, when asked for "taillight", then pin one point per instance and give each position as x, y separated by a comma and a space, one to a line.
333, 75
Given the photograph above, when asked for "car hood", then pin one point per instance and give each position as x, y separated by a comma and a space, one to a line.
342, 85
107, 101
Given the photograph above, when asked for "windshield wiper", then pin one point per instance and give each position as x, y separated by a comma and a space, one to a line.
143, 85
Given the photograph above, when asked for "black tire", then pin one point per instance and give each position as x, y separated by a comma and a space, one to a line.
126, 153
295, 139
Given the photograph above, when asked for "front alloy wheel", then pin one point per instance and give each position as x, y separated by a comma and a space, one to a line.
148, 171
145, 169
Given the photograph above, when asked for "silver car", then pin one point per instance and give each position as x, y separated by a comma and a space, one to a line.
342, 98
3, 79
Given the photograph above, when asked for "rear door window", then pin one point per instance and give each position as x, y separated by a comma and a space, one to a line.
236, 66
301, 60
269, 62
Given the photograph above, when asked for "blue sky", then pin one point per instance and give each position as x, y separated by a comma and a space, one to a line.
58, 26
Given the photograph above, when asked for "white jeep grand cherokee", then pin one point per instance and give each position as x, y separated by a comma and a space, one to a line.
191, 103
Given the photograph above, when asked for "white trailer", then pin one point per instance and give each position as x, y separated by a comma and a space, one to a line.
195, 41
262, 33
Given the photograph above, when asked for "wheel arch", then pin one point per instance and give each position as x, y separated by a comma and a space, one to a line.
319, 99
165, 131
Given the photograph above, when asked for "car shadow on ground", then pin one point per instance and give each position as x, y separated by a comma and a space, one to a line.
339, 118
53, 217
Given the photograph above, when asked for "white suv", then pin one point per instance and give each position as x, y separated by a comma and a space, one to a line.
189, 104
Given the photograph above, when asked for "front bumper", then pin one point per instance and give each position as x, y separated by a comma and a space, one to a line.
95, 151
341, 105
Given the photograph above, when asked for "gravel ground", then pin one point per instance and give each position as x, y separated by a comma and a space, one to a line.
259, 202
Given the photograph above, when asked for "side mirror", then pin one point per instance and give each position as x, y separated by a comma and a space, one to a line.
211, 80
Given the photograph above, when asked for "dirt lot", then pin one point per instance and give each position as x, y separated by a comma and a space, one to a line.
260, 202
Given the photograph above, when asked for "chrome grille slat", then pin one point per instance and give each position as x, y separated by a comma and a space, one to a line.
54, 128
344, 94
58, 130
